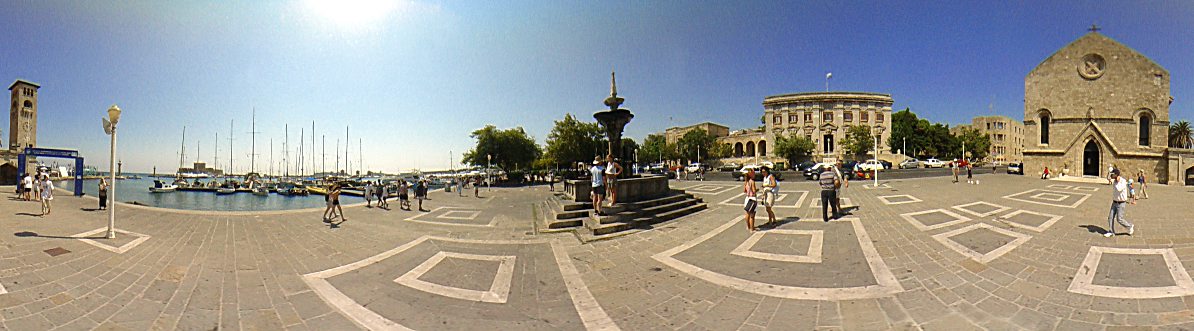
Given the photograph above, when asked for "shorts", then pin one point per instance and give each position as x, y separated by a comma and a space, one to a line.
599, 191
403, 196
769, 199
610, 180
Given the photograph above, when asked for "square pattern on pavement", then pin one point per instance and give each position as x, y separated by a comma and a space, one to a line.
898, 199
712, 257
785, 199
981, 208
1050, 198
811, 255
453, 216
981, 242
1031, 220
96, 238
934, 219
1127, 278
711, 189
436, 283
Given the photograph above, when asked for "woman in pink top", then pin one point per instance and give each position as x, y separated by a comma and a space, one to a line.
752, 202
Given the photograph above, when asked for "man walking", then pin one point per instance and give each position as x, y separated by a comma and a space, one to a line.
1120, 189
829, 183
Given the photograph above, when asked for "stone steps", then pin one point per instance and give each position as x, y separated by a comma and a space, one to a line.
625, 218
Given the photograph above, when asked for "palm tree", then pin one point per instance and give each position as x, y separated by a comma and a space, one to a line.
1180, 135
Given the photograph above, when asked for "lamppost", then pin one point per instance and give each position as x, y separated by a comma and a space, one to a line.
110, 129
489, 171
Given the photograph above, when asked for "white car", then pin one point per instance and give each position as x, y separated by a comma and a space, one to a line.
694, 168
870, 165
933, 163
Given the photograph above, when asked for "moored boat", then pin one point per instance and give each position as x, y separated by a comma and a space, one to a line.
160, 187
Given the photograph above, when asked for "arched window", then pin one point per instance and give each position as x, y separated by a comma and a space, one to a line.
1145, 124
750, 148
738, 150
28, 104
763, 147
1044, 122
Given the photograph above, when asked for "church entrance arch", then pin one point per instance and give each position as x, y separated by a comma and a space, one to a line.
1090, 159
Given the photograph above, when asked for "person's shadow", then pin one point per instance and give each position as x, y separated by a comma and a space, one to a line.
778, 223
28, 214
89, 209
1094, 229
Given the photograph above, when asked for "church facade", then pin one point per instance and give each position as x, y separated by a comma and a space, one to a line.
1094, 104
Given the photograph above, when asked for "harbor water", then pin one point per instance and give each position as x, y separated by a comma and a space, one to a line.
137, 190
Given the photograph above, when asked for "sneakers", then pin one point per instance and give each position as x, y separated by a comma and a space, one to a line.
1131, 229
1109, 234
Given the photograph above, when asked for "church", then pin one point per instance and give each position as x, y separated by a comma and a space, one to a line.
1097, 103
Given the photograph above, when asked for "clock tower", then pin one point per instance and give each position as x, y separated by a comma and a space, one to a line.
22, 131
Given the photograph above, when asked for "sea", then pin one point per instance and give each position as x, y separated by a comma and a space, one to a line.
137, 191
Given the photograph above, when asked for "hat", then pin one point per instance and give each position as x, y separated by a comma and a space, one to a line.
596, 162
1115, 172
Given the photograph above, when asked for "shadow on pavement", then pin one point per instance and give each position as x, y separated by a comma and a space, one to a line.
778, 223
28, 234
28, 214
1094, 228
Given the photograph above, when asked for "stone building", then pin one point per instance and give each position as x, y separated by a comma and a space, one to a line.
1096, 103
747, 146
22, 127
1007, 137
824, 118
673, 134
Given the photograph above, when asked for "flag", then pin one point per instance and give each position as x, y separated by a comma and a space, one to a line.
828, 75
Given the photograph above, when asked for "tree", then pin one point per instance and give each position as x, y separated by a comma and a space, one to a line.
1180, 135
694, 142
858, 141
654, 149
718, 151
572, 141
628, 148
794, 148
512, 149
978, 144
907, 132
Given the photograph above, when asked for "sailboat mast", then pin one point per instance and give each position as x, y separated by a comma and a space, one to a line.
323, 164
271, 156
313, 147
347, 163
286, 152
253, 154
337, 155
231, 123
361, 154
301, 140
182, 152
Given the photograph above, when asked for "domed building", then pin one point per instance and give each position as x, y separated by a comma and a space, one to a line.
1097, 103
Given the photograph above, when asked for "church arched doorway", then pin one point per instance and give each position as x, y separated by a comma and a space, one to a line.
1090, 159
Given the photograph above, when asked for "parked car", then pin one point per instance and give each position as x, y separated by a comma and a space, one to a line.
934, 163
740, 174
814, 172
694, 168
1015, 168
805, 166
910, 164
729, 167
886, 164
871, 165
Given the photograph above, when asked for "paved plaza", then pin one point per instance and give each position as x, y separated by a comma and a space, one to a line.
1011, 253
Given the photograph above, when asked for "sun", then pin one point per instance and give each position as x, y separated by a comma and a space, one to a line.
353, 13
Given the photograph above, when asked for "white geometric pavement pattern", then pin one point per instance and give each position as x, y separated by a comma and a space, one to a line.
499, 290
981, 257
1084, 280
587, 307
886, 282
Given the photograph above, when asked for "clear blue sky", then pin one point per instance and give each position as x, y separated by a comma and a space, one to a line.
414, 78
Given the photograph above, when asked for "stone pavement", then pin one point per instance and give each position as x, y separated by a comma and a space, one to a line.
1011, 253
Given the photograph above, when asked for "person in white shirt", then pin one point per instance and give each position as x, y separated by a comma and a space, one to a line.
28, 182
1120, 196
47, 194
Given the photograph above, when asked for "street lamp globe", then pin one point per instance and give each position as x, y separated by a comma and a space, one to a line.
114, 114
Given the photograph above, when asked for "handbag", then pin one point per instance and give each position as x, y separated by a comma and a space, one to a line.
751, 204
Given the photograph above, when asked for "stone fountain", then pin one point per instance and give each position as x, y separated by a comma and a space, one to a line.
643, 200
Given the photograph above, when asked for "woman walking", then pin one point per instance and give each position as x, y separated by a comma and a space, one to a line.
770, 191
752, 202
47, 194
1140, 179
403, 195
382, 194
329, 212
103, 194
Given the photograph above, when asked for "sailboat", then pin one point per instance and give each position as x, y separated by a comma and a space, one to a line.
162, 187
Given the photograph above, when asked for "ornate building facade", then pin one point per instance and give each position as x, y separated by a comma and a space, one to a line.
824, 118
1096, 103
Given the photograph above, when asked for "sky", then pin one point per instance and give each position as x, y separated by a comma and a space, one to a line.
410, 80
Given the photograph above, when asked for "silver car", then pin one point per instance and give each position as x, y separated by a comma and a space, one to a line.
910, 164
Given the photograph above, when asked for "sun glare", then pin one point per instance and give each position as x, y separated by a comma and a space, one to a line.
353, 13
